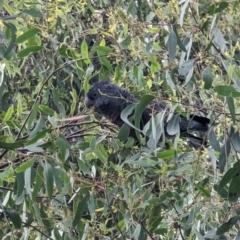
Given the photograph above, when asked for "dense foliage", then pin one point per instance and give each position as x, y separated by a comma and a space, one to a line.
67, 173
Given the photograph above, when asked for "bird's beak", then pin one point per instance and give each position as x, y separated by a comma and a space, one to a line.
88, 102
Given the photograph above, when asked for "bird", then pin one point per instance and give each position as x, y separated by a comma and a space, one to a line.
109, 100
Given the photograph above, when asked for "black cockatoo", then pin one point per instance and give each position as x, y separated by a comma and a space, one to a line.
109, 100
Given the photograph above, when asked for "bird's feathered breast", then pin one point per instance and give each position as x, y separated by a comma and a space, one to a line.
109, 100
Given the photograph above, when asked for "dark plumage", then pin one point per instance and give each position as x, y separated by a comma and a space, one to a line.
109, 100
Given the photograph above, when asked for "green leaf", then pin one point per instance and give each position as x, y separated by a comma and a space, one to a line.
140, 107
150, 17
155, 220
223, 193
217, 7
14, 218
172, 45
135, 71
183, 10
28, 34
186, 67
228, 225
93, 143
138, 228
221, 6
38, 136
48, 176
84, 52
101, 153
228, 176
167, 154
165, 196
154, 202
83, 167
46, 110
235, 141
82, 145
14, 145
80, 209
7, 17
126, 42
170, 81
219, 40
205, 25
126, 112
132, 8
213, 140
58, 102
117, 74
155, 66
124, 131
161, 231
48, 223
13, 124
179, 42
38, 182
173, 125
234, 189
235, 77
105, 62
33, 12
231, 107
103, 50
32, 49
58, 174
224, 153
207, 78
204, 191
227, 90
8, 114
88, 75
74, 101
57, 235
62, 50
19, 104
20, 184
32, 116
63, 147
28, 182
38, 127
152, 143
228, 65
34, 148
25, 165
142, 162
13, 38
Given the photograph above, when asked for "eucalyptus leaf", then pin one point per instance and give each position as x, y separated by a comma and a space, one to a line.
172, 45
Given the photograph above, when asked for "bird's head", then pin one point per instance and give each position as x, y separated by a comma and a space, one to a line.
98, 94
108, 100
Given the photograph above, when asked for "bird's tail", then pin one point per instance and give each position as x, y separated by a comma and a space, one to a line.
195, 141
197, 123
